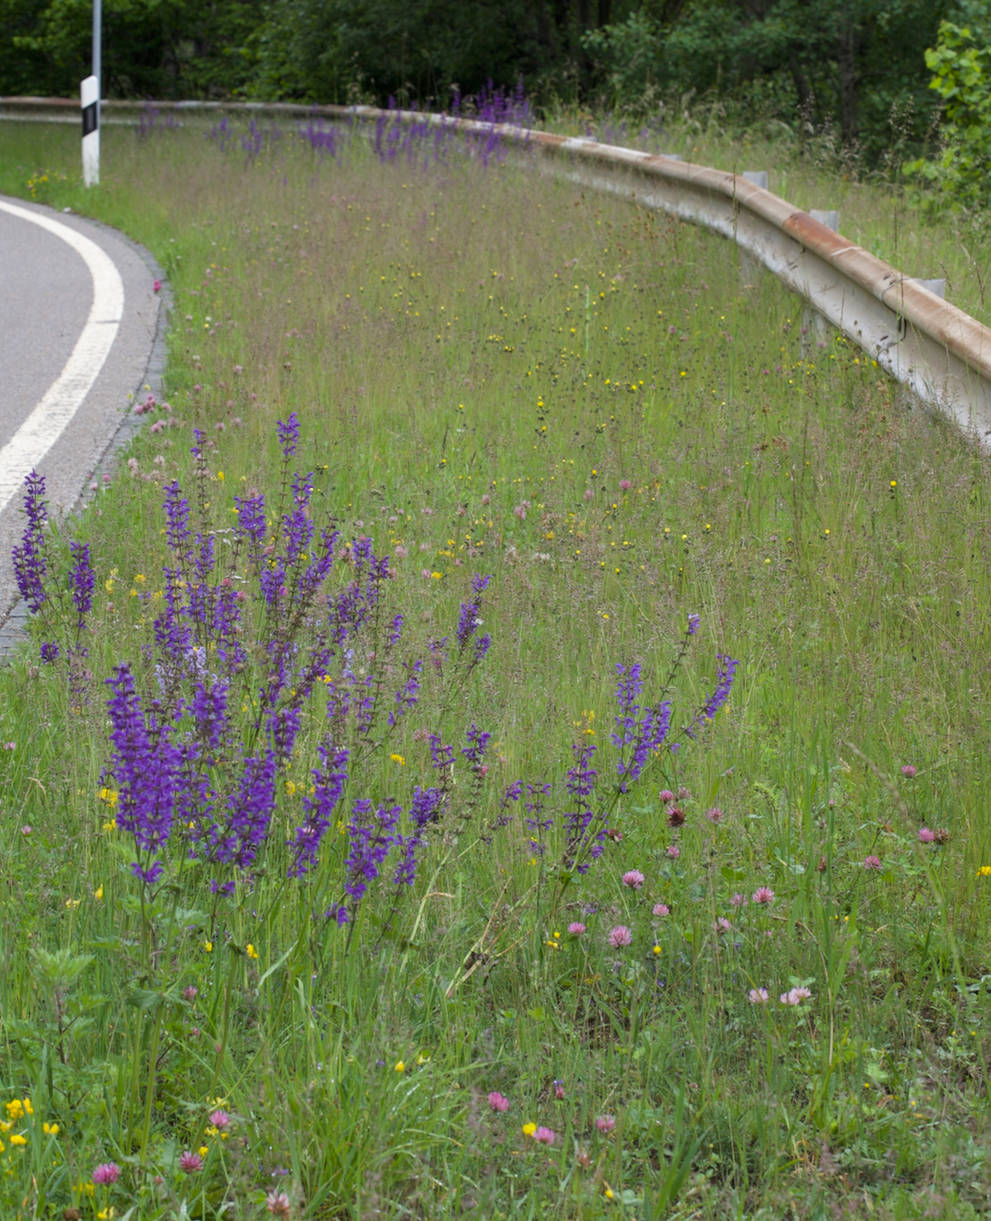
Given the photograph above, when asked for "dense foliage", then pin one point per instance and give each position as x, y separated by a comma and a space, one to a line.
855, 69
961, 173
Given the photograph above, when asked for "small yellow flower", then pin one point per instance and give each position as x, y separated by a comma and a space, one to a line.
398, 759
109, 796
984, 871
422, 1059
98, 893
18, 1141
657, 950
529, 1129
208, 946
72, 904
250, 950
50, 1129
202, 1150
110, 825
400, 1066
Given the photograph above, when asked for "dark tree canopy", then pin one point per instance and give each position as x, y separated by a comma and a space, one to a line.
855, 67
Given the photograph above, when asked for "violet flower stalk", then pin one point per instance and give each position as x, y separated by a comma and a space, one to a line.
329, 780
288, 431
727, 667
580, 784
639, 730
81, 582
372, 836
146, 767
425, 808
30, 559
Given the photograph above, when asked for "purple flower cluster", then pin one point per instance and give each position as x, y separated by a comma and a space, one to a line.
426, 807
726, 672
30, 556
639, 730
328, 786
146, 766
583, 845
371, 835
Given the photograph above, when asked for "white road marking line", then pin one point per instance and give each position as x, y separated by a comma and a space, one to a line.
49, 418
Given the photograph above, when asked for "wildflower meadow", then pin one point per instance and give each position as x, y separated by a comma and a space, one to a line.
509, 737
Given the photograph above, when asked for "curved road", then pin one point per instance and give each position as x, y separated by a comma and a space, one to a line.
81, 334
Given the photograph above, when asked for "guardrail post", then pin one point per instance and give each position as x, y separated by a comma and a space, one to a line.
815, 329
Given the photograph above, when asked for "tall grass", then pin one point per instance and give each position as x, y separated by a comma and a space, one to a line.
494, 375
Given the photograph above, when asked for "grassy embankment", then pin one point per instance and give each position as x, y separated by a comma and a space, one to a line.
496, 375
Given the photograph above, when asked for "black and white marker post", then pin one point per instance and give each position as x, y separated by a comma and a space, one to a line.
90, 94
90, 97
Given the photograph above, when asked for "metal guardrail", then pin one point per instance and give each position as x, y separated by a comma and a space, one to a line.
941, 354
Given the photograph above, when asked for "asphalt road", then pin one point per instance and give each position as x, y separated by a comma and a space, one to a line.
81, 335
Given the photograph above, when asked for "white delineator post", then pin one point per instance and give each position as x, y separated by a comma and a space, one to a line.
90, 96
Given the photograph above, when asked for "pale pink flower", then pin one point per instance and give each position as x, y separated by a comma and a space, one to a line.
106, 1172
763, 894
576, 928
620, 935
220, 1119
625, 485
872, 862
666, 796
662, 909
909, 771
795, 996
605, 1123
926, 836
758, 996
714, 815
190, 1162
498, 1102
545, 1136
722, 925
277, 1203
738, 900
634, 879
673, 851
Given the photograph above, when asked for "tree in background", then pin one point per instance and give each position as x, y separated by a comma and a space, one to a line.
335, 50
960, 175
851, 66
150, 48
854, 69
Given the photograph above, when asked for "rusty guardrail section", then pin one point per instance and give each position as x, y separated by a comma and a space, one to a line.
941, 354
